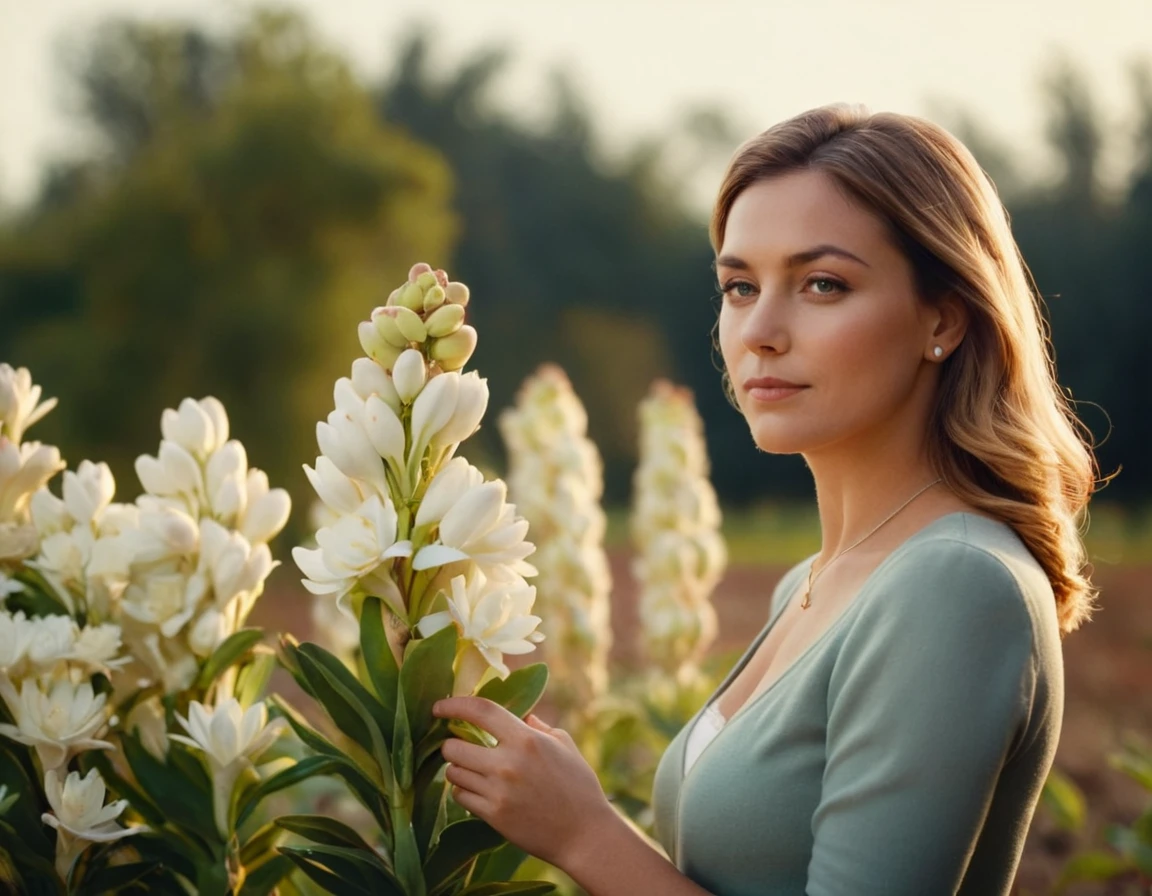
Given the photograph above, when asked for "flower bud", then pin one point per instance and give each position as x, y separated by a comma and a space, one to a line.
411, 297
453, 351
457, 293
426, 280
376, 346
409, 374
384, 319
369, 378
434, 298
445, 320
410, 324
417, 269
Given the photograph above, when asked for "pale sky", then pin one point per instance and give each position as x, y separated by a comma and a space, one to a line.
641, 63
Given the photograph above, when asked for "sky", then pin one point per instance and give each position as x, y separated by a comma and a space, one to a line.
642, 63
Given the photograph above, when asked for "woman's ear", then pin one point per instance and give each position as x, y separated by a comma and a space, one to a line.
950, 323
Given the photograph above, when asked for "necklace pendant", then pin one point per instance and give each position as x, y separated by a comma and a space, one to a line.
807, 601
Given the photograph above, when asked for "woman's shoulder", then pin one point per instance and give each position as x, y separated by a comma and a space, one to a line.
970, 570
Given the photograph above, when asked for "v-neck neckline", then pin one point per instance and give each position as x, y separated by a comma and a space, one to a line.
755, 698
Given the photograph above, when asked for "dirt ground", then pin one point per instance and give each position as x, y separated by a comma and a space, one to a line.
1108, 667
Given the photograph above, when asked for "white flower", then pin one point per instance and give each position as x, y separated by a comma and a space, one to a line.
78, 807
454, 479
352, 549
8, 586
408, 374
192, 428
494, 617
232, 566
369, 378
20, 404
225, 482
57, 723
97, 645
482, 528
24, 468
88, 491
265, 511
230, 738
53, 639
173, 473
344, 441
163, 599
163, 532
80, 816
208, 632
339, 493
15, 636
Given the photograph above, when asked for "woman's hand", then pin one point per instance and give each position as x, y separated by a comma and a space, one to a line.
534, 787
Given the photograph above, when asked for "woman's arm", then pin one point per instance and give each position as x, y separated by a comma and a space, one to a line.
536, 789
929, 694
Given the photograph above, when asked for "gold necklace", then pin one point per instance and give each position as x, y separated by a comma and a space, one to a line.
807, 601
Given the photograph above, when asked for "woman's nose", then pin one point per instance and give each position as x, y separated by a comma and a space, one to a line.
767, 326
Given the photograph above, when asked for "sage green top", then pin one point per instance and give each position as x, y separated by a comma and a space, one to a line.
903, 752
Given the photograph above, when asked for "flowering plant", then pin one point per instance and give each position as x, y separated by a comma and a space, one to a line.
123, 623
429, 559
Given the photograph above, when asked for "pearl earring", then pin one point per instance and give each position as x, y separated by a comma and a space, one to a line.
937, 351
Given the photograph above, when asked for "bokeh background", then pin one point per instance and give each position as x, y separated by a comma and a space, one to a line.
204, 198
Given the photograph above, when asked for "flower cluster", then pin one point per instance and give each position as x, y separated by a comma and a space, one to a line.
24, 468
410, 523
680, 555
556, 477
198, 542
53, 669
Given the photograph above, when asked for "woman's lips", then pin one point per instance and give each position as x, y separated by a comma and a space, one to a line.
771, 388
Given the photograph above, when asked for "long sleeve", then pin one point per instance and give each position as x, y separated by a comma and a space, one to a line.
927, 701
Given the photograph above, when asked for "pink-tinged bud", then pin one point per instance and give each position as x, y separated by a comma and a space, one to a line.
457, 293
445, 321
410, 325
384, 319
376, 346
417, 269
434, 298
453, 351
441, 276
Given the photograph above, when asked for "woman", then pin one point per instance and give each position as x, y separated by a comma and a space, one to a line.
891, 728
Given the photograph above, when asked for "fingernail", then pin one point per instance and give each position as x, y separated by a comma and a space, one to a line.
436, 707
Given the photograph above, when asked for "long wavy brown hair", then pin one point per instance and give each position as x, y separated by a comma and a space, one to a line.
1003, 434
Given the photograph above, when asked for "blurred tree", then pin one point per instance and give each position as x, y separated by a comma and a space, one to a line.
568, 252
246, 209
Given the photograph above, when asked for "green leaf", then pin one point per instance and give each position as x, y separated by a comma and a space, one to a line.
401, 749
511, 888
253, 678
234, 647
426, 677
264, 878
520, 691
330, 882
184, 804
1064, 800
406, 853
377, 655
261, 844
325, 830
1095, 865
117, 878
459, 845
349, 704
365, 872
499, 865
24, 855
429, 788
308, 767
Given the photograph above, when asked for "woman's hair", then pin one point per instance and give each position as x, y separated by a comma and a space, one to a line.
1002, 434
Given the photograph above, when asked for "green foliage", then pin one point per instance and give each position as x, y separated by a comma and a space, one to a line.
1130, 857
425, 845
250, 207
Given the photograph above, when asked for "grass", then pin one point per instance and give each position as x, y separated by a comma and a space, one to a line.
774, 534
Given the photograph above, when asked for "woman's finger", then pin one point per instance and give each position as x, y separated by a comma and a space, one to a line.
536, 722
483, 713
465, 779
473, 802
470, 756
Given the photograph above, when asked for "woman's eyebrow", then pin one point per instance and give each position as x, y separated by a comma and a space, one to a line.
798, 258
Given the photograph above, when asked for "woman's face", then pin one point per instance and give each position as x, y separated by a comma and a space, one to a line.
815, 294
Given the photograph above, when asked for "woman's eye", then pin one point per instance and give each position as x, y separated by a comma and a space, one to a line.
825, 286
740, 288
